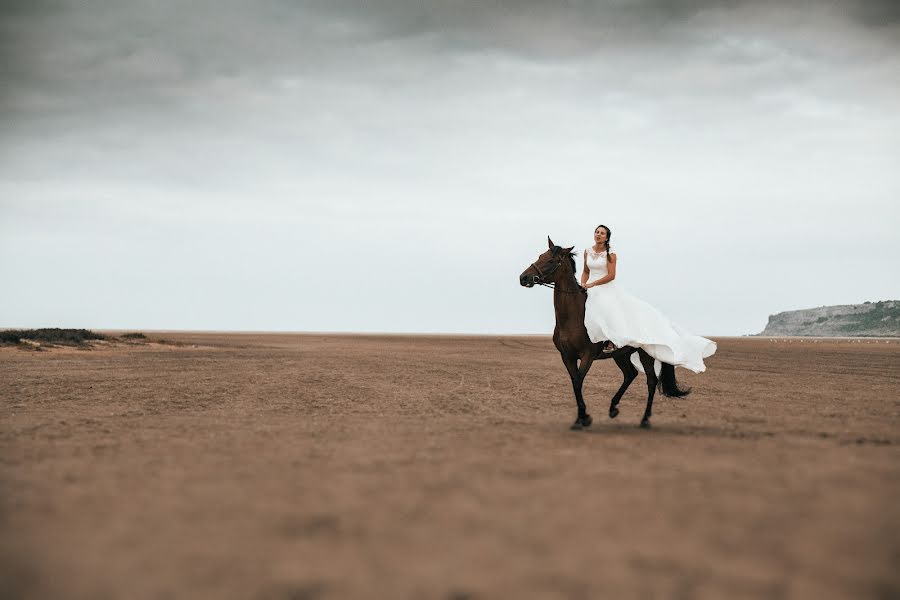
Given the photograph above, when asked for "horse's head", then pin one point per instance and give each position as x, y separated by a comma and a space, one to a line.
546, 269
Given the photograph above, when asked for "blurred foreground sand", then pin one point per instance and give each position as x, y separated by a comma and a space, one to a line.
326, 466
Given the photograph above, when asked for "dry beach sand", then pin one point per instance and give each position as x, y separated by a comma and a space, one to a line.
333, 466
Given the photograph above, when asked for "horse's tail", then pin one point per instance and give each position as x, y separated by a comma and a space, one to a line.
667, 383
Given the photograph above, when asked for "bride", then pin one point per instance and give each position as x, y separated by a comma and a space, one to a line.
612, 314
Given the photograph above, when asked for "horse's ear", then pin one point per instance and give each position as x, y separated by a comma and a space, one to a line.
550, 243
569, 249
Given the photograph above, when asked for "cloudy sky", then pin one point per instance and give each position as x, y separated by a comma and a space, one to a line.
393, 165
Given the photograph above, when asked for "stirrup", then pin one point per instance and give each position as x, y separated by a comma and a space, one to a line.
608, 348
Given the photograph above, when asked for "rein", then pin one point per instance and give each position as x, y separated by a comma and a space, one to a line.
540, 279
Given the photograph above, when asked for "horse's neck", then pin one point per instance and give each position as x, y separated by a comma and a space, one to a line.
568, 301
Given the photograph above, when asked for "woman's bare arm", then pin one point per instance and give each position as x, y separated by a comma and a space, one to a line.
585, 272
609, 276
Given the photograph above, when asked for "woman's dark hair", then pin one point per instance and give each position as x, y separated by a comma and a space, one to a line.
608, 237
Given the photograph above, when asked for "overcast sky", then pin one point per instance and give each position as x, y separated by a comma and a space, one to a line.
393, 165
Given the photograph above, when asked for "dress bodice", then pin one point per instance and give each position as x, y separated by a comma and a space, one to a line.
597, 265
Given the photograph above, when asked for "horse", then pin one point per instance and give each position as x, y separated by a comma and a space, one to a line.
555, 268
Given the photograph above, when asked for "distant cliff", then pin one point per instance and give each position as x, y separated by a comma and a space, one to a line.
872, 319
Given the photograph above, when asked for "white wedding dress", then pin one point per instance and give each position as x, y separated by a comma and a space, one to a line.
611, 313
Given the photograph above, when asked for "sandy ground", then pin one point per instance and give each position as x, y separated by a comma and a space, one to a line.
323, 466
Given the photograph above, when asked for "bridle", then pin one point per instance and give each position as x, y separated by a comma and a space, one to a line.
541, 275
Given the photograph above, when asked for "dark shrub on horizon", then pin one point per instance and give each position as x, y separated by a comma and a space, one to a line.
50, 335
10, 337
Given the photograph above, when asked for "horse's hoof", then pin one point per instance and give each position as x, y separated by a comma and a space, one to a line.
582, 423
645, 424
613, 412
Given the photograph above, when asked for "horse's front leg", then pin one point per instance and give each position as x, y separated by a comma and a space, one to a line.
577, 374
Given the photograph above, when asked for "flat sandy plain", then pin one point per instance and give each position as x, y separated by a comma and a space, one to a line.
327, 466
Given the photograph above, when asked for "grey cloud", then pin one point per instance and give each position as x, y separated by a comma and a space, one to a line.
545, 28
99, 65
877, 14
97, 49
168, 43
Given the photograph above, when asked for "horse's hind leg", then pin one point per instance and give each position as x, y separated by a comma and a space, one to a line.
629, 372
652, 380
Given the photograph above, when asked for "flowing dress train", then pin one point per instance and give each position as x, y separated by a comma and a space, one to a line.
611, 313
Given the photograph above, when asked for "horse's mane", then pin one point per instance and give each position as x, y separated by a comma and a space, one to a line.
560, 249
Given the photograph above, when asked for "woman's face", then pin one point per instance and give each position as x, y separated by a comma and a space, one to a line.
600, 235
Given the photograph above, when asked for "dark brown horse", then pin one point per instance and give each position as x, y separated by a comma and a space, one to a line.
556, 268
